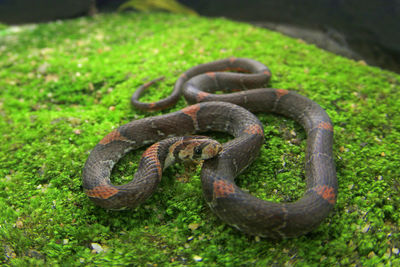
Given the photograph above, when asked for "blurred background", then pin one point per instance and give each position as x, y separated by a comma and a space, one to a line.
368, 30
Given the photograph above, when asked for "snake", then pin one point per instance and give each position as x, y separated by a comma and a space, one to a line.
244, 82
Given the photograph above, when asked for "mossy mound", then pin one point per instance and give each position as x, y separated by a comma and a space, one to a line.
65, 85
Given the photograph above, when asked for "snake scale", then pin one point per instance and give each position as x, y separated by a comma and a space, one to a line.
230, 113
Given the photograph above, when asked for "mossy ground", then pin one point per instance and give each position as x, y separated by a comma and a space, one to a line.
64, 85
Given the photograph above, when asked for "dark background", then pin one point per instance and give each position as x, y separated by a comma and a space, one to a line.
366, 30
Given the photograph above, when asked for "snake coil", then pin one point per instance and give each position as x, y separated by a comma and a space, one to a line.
213, 113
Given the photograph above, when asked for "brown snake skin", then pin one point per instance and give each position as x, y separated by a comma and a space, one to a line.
228, 201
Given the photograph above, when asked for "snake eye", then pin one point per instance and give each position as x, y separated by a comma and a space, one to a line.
198, 151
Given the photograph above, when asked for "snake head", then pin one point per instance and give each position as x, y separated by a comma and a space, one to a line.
198, 148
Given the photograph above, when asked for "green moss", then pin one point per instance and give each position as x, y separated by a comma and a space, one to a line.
64, 85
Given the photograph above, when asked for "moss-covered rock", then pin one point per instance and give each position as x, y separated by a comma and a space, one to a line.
65, 85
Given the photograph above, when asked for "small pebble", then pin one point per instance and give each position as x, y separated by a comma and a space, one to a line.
197, 258
97, 248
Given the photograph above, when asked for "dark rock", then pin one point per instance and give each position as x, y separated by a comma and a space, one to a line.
28, 11
366, 29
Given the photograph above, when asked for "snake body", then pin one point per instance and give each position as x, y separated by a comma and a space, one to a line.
228, 201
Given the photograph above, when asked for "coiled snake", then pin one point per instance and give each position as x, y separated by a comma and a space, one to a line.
228, 201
